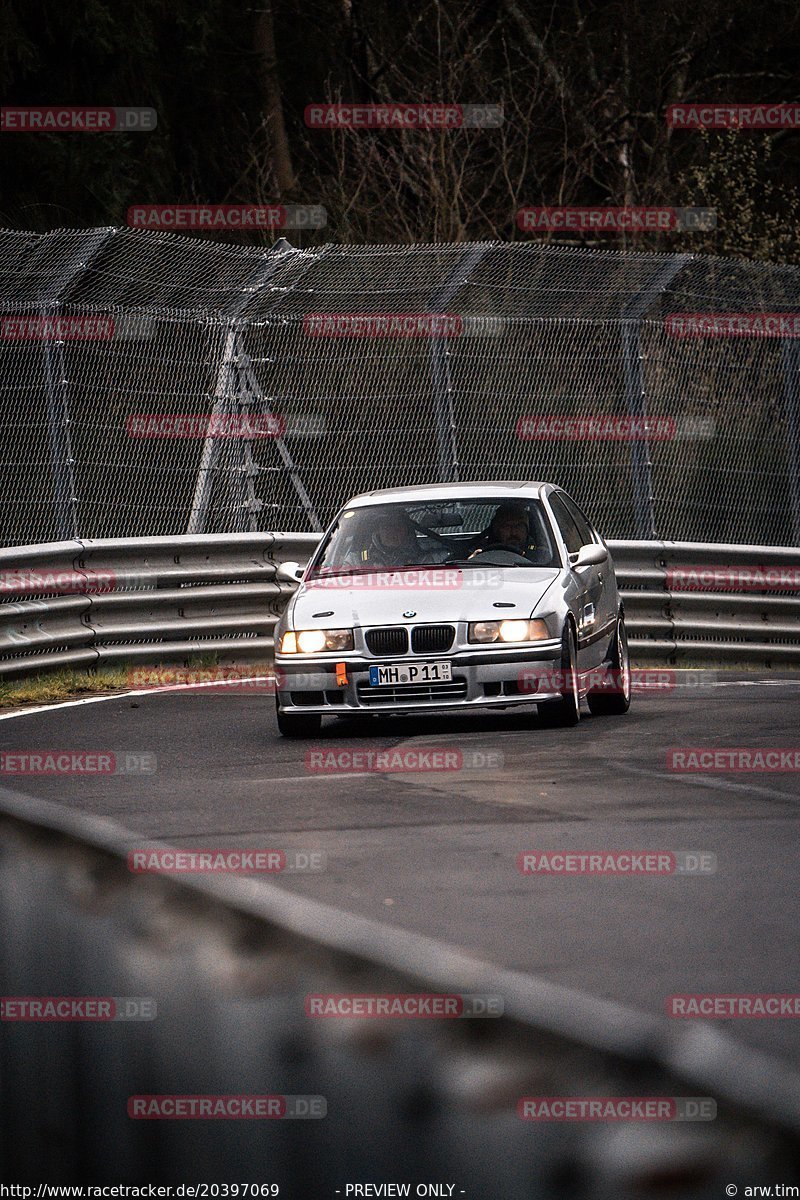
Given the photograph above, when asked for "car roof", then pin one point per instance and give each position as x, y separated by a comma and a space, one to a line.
513, 488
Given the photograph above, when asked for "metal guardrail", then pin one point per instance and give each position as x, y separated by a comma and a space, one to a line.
229, 962
167, 599
755, 619
146, 599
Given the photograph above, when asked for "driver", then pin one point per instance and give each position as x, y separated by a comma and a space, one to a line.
391, 541
509, 529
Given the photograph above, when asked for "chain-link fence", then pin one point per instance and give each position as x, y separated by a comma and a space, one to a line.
318, 373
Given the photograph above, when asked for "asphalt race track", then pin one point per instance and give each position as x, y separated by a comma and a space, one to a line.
436, 851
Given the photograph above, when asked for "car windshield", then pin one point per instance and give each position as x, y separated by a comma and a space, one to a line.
491, 530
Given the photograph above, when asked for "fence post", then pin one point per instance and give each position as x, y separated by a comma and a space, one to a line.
252, 389
236, 376
440, 366
791, 383
65, 501
226, 377
633, 370
208, 458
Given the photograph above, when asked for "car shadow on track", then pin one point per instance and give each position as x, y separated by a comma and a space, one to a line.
392, 727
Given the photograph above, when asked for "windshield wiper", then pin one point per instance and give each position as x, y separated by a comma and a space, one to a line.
477, 562
368, 570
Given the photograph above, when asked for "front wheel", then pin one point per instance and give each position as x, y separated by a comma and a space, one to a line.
613, 698
567, 709
297, 725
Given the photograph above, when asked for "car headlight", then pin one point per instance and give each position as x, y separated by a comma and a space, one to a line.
508, 631
316, 641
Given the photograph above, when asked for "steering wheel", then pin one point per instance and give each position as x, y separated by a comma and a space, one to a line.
499, 548
494, 546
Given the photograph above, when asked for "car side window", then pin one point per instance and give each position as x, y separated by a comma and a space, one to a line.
569, 530
584, 528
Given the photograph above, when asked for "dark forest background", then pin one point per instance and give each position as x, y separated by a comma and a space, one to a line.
584, 87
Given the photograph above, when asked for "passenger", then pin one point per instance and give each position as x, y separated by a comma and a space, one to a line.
390, 541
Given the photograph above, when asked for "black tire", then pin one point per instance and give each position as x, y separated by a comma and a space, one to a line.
567, 710
297, 725
614, 702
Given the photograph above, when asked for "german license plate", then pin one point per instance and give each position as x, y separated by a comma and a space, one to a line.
400, 674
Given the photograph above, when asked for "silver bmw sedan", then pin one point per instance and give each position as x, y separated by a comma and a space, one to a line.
453, 596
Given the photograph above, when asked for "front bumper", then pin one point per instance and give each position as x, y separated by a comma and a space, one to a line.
483, 677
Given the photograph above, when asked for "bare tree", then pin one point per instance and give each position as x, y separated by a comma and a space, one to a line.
273, 123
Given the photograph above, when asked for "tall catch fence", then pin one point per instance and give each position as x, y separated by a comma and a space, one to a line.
314, 374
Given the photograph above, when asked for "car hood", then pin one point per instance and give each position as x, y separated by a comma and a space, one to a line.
430, 594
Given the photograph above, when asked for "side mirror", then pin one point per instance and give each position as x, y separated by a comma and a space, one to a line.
589, 556
289, 572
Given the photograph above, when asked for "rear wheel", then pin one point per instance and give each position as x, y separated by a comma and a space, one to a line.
615, 698
566, 710
297, 725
